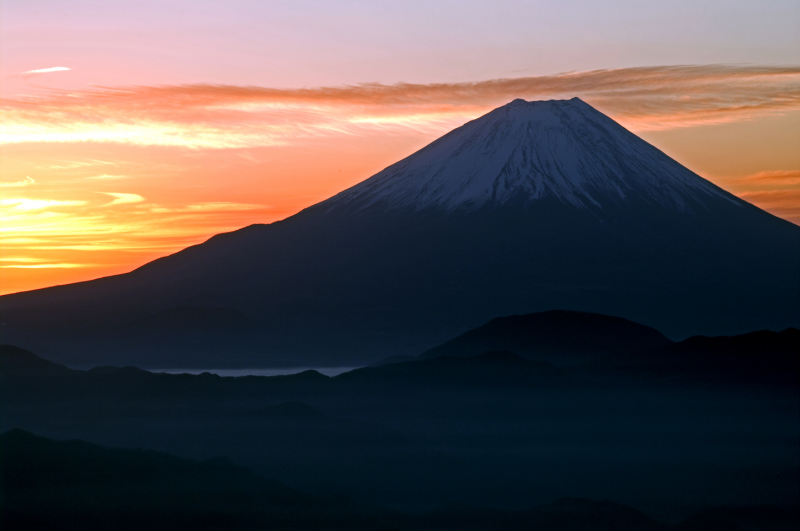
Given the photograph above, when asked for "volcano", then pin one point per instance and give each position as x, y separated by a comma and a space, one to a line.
534, 206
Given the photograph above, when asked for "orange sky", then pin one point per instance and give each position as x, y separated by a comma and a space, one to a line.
99, 181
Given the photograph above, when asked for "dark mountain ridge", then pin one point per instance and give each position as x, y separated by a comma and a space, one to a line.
763, 356
534, 206
569, 353
561, 337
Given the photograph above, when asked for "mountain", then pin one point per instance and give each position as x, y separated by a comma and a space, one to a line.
534, 206
560, 337
757, 357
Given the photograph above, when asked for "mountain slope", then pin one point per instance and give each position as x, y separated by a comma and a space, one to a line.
534, 206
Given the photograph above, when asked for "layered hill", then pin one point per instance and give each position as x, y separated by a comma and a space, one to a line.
534, 206
88, 486
687, 425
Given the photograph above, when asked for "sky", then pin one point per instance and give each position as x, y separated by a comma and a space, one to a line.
132, 129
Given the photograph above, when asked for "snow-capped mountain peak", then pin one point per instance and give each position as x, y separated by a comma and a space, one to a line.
562, 149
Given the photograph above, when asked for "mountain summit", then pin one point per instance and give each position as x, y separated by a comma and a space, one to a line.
525, 151
534, 206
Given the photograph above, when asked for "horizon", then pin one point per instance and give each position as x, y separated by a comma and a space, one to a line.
125, 140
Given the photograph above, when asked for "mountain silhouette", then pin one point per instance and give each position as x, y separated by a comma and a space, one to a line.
757, 357
533, 206
561, 337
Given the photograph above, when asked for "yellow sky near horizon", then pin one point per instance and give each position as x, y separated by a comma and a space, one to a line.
100, 181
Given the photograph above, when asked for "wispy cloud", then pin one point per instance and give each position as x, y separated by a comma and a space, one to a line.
783, 203
776, 191
72, 164
215, 206
50, 265
218, 116
16, 184
42, 225
106, 177
122, 198
771, 178
36, 204
47, 70
21, 259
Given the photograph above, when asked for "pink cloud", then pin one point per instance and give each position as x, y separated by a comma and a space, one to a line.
221, 116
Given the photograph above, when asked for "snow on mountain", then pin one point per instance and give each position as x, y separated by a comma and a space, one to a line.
531, 150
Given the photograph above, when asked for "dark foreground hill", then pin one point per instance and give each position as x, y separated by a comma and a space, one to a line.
77, 485
49, 484
534, 206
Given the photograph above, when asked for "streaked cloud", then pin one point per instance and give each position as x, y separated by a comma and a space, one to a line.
106, 177
215, 206
220, 117
123, 198
56, 240
27, 181
47, 70
28, 224
782, 203
776, 191
771, 178
21, 259
22, 203
72, 164
54, 265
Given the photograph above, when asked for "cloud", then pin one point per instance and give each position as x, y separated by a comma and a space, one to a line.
106, 177
46, 70
222, 116
783, 203
22, 259
69, 165
51, 265
26, 182
771, 178
123, 199
216, 206
36, 204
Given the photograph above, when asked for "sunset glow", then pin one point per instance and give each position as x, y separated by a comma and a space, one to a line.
103, 171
